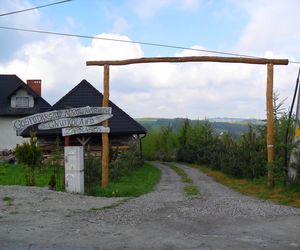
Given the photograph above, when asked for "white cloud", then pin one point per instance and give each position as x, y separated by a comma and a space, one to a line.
113, 50
272, 32
148, 8
61, 62
272, 26
196, 90
11, 41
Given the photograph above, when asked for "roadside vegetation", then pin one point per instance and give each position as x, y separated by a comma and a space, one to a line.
289, 195
139, 181
243, 158
129, 175
17, 174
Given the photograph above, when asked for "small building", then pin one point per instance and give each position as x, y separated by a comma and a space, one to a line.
123, 128
17, 100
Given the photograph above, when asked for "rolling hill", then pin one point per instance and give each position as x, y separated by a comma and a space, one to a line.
234, 126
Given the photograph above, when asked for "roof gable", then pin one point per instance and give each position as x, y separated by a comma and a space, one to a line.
10, 84
84, 94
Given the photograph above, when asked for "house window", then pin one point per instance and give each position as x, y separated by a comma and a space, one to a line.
22, 101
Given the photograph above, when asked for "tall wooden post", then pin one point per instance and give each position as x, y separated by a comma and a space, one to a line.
105, 138
270, 125
67, 140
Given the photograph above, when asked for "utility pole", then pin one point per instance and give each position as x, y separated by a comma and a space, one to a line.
295, 154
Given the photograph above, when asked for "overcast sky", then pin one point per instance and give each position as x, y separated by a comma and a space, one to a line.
265, 28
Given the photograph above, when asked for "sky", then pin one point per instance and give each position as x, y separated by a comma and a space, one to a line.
263, 28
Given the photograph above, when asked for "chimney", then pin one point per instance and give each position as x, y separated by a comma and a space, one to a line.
36, 86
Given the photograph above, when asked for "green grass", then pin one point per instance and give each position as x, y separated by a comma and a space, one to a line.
257, 188
190, 190
184, 177
140, 181
114, 205
12, 174
16, 175
8, 200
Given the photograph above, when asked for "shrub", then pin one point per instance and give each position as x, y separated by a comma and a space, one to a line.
160, 144
122, 163
30, 154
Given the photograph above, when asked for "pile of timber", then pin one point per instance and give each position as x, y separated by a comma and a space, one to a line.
7, 156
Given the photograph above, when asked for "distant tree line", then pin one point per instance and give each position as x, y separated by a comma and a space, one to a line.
243, 157
234, 127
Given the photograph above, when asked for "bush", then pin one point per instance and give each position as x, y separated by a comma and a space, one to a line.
30, 154
160, 144
122, 163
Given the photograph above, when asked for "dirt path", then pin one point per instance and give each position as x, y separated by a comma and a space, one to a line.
218, 218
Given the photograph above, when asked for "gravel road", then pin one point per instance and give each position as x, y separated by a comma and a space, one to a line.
218, 218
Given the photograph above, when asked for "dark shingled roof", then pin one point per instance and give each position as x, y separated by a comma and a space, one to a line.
9, 84
84, 94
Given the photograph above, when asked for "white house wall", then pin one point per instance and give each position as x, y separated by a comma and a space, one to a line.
8, 137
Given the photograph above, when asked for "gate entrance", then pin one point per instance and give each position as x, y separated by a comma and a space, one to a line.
248, 60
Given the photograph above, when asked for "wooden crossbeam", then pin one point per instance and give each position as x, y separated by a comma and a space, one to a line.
247, 60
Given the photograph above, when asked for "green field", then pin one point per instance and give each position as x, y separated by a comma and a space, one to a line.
11, 174
140, 181
137, 182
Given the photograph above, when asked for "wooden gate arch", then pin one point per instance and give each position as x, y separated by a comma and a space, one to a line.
248, 60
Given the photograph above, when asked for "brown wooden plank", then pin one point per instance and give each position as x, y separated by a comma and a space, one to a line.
190, 59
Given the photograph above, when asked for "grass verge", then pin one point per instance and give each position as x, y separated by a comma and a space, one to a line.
257, 188
140, 181
184, 177
114, 205
11, 174
8, 200
190, 190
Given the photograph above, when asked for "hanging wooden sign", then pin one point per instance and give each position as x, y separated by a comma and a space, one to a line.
74, 122
84, 130
27, 121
